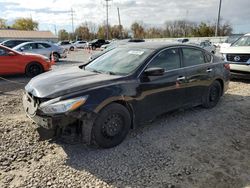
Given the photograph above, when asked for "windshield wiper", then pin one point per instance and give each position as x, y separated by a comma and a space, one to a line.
96, 71
110, 73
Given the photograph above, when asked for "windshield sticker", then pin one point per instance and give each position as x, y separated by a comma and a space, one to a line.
134, 52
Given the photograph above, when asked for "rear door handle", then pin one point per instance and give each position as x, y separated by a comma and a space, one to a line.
181, 78
209, 70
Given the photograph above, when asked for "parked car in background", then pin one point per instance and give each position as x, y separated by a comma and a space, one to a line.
107, 47
130, 85
136, 40
80, 44
43, 48
231, 39
183, 40
238, 55
97, 43
14, 62
207, 45
66, 45
13, 43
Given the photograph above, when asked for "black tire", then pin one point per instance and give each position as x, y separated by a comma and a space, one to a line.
33, 69
56, 56
213, 52
111, 126
71, 48
213, 95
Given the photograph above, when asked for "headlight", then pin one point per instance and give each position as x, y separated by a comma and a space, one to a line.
54, 107
46, 59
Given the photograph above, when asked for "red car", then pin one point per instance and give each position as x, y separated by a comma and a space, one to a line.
13, 62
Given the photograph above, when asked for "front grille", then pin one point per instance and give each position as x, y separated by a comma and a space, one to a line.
238, 57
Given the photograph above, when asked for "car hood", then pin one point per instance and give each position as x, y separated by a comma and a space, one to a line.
236, 50
62, 82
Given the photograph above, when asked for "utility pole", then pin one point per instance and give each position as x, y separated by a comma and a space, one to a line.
107, 12
119, 19
218, 20
72, 19
55, 30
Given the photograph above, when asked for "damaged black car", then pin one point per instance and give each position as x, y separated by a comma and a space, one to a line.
100, 102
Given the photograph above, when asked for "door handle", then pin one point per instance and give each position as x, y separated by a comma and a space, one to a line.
209, 70
181, 78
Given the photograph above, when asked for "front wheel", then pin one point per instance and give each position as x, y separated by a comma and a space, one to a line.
33, 69
111, 126
213, 95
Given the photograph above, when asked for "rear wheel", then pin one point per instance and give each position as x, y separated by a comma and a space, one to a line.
213, 95
71, 48
33, 69
111, 126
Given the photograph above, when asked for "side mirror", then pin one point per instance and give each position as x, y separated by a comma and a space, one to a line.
11, 54
22, 49
154, 71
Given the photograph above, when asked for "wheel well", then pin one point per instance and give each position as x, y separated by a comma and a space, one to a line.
221, 84
55, 53
129, 108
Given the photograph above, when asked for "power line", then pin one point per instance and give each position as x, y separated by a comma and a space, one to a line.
107, 12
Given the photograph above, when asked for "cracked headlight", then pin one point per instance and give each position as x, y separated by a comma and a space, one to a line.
55, 106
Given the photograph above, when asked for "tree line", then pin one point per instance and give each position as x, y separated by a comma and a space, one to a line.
90, 30
20, 23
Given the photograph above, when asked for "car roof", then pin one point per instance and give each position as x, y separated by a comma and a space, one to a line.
156, 45
24, 43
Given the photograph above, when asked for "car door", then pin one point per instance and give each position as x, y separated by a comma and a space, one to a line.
9, 64
159, 94
199, 73
30, 48
44, 49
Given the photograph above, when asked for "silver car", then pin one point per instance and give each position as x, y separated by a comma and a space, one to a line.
43, 48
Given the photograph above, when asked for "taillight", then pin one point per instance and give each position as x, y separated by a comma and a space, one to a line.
227, 66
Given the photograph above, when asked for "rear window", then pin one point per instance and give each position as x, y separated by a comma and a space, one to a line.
45, 45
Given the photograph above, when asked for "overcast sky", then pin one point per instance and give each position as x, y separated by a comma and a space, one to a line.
154, 12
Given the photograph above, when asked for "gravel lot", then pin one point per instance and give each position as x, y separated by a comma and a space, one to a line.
185, 148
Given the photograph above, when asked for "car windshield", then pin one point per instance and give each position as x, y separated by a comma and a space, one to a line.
243, 41
120, 61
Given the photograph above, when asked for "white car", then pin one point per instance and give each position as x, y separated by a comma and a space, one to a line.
80, 44
238, 55
42, 48
207, 45
231, 39
66, 45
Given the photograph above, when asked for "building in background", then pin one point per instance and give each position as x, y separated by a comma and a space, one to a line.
6, 34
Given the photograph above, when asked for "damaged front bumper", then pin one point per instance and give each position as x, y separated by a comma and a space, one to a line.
76, 124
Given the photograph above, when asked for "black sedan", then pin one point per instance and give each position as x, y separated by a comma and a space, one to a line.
130, 85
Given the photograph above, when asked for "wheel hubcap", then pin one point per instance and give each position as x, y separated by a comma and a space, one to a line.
112, 126
34, 70
214, 93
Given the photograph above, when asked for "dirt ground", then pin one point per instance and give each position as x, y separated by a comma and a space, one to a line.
207, 148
